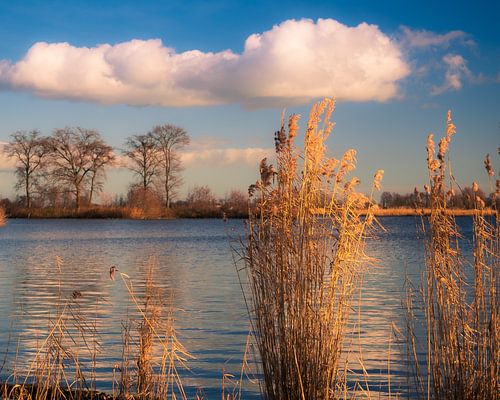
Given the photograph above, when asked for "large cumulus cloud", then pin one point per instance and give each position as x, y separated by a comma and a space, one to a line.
293, 62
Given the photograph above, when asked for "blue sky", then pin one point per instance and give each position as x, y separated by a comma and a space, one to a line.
395, 77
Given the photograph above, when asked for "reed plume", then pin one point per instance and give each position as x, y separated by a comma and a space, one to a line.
460, 297
304, 255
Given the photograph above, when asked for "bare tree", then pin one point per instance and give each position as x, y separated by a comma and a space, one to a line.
236, 204
77, 155
169, 140
141, 150
29, 151
101, 155
201, 196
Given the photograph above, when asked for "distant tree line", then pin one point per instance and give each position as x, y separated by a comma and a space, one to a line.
61, 174
460, 199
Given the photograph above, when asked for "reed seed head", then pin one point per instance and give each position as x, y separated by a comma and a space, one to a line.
450, 127
378, 179
434, 165
430, 149
488, 166
443, 147
293, 127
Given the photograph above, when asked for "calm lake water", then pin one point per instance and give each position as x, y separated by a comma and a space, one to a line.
195, 269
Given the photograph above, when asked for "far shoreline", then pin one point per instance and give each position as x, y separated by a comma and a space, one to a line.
410, 212
172, 214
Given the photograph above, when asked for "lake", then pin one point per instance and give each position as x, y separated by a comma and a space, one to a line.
42, 261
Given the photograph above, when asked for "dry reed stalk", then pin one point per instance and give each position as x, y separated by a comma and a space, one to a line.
3, 218
125, 382
462, 335
58, 357
236, 383
71, 338
157, 377
149, 323
304, 254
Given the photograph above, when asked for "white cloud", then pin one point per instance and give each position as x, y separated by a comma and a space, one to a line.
218, 157
456, 70
423, 38
295, 61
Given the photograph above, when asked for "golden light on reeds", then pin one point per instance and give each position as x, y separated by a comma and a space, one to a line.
462, 324
304, 256
377, 179
64, 365
488, 166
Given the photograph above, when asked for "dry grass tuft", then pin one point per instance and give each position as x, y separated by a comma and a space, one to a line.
3, 218
160, 353
304, 255
460, 298
58, 370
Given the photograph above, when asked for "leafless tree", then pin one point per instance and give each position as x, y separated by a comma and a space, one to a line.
101, 155
29, 150
144, 160
76, 156
201, 196
169, 140
236, 204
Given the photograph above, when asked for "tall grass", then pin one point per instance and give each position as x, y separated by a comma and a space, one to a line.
160, 353
57, 369
460, 297
64, 364
305, 253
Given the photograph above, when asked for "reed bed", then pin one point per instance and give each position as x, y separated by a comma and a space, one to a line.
64, 365
56, 371
304, 256
459, 296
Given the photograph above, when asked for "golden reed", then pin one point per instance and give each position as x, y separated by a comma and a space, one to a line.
459, 295
304, 255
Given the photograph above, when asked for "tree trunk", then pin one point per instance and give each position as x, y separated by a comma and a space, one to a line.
28, 194
167, 178
167, 194
91, 193
77, 200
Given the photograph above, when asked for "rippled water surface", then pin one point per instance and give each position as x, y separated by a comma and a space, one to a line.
195, 269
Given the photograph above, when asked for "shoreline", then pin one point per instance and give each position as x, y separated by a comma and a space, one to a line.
125, 214
411, 212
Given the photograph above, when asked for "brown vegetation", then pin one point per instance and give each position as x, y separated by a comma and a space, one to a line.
460, 298
63, 366
304, 256
3, 218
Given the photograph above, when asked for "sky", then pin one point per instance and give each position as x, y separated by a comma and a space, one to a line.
225, 70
